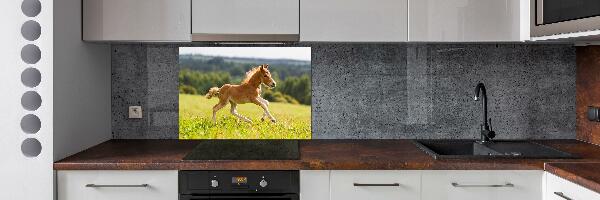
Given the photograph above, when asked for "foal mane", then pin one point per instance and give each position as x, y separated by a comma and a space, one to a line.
251, 73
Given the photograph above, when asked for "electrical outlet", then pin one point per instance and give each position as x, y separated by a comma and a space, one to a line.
135, 112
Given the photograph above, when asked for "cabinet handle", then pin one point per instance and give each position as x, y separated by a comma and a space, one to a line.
115, 186
493, 185
376, 184
562, 195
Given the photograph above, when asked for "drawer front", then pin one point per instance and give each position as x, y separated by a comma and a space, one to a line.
117, 185
375, 185
314, 184
560, 189
482, 185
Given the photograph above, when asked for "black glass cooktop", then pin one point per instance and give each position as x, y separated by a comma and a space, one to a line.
245, 150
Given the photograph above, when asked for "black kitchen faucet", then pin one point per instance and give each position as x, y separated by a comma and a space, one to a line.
487, 134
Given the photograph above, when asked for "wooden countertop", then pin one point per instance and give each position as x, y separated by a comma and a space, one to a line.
584, 174
314, 155
331, 155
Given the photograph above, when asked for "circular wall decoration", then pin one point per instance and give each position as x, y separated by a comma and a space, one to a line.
31, 8
31, 77
31, 124
31, 54
31, 30
31, 100
31, 147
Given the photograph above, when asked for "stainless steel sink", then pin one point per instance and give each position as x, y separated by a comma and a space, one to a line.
469, 149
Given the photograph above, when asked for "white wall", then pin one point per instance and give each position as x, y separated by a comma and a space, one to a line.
82, 98
77, 74
24, 177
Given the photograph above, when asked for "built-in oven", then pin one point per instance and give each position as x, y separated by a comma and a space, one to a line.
552, 17
238, 185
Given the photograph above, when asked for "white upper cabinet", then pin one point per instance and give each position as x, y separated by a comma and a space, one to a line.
244, 20
468, 20
136, 20
307, 20
354, 20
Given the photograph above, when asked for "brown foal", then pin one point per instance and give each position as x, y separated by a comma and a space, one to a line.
247, 92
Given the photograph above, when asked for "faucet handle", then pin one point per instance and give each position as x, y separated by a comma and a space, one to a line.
492, 133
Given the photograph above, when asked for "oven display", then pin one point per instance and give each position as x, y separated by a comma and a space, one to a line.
239, 180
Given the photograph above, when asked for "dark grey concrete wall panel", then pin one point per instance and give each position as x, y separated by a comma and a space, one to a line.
365, 91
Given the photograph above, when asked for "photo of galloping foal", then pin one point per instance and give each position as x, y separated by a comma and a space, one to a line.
247, 92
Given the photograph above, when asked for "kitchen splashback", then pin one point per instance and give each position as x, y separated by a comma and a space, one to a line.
364, 91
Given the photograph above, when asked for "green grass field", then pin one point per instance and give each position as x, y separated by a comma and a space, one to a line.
195, 120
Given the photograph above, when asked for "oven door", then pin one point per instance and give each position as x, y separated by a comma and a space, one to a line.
551, 17
239, 197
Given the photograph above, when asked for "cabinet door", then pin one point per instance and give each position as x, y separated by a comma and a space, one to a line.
560, 189
353, 20
468, 21
375, 185
136, 20
117, 185
314, 185
482, 185
223, 18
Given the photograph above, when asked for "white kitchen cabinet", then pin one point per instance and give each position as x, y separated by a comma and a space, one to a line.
314, 184
117, 185
375, 185
354, 20
136, 20
243, 20
560, 189
482, 185
468, 21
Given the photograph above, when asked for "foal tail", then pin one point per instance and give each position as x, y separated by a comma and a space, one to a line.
212, 92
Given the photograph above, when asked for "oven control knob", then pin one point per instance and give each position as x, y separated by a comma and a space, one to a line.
214, 183
263, 183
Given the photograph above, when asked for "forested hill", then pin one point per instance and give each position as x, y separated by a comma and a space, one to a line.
199, 73
237, 66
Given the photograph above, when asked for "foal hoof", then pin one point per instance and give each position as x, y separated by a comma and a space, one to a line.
273, 121
262, 119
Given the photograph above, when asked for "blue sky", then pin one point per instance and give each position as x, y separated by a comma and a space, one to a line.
296, 53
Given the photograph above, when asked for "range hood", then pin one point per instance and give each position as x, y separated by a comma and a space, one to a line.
246, 21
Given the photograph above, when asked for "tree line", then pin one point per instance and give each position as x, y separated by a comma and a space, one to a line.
196, 76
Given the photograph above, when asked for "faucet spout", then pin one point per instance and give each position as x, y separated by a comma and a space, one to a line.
486, 133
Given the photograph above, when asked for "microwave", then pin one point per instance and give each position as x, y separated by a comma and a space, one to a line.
553, 17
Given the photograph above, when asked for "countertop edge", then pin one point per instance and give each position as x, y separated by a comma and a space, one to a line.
393, 154
571, 176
